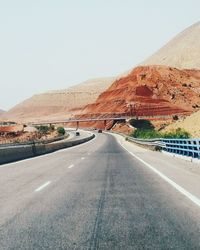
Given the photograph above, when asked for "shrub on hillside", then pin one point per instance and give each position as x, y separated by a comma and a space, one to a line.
146, 133
178, 133
52, 127
61, 130
43, 129
175, 118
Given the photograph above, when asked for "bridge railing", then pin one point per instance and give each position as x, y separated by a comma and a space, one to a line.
185, 147
104, 117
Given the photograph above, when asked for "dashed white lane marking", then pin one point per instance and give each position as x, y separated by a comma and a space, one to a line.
71, 166
82, 158
183, 191
43, 186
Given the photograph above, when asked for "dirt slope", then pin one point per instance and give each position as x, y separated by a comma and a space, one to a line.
181, 52
190, 124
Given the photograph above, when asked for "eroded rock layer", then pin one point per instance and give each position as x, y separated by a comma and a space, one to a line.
150, 91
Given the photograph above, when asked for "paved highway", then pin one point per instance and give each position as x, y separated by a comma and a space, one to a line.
96, 196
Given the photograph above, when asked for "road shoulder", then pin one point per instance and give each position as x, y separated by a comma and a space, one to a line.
183, 173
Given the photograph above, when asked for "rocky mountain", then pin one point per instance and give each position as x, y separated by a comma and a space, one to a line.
58, 104
181, 52
150, 90
167, 83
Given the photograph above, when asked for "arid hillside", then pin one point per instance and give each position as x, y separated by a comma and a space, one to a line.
58, 104
181, 52
1, 111
150, 90
191, 124
168, 83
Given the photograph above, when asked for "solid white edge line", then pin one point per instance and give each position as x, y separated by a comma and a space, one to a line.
43, 186
71, 166
183, 191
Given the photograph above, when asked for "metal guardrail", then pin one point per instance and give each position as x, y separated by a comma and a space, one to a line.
153, 142
185, 147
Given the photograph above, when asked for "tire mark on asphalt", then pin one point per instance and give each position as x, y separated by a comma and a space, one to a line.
94, 241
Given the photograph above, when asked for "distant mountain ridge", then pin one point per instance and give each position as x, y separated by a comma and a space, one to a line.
171, 76
1, 111
58, 104
167, 76
181, 52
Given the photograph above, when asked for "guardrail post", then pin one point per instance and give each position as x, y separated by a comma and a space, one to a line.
198, 147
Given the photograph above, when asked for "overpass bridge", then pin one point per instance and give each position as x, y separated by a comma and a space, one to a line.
122, 118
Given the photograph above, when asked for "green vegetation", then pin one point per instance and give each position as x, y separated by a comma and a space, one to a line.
42, 129
146, 130
152, 133
61, 130
178, 133
145, 133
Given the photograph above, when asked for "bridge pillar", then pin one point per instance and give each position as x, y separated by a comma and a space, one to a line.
104, 124
77, 125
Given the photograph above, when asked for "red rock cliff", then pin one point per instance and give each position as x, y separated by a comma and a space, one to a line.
151, 90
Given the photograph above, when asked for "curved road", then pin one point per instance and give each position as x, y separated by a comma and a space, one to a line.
92, 196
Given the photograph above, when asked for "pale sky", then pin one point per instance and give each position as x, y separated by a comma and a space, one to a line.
53, 44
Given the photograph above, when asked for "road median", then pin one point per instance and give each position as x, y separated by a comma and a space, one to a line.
16, 153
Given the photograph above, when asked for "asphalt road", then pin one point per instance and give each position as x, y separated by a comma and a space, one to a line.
93, 196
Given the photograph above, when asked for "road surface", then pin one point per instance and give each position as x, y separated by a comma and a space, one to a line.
93, 196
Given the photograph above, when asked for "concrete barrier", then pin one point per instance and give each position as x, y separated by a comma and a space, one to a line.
11, 154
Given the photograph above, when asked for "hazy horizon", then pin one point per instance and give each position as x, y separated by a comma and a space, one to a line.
48, 45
